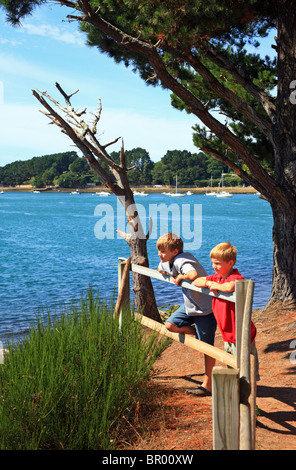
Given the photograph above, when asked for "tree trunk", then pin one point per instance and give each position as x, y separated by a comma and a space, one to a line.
143, 289
137, 241
284, 255
284, 137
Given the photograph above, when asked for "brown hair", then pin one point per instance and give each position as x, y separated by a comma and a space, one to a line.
170, 241
224, 251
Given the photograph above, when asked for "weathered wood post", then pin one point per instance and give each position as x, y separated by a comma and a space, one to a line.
241, 287
225, 392
3, 352
237, 431
246, 441
252, 399
123, 299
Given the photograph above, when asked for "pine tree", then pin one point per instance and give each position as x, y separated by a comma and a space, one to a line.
198, 50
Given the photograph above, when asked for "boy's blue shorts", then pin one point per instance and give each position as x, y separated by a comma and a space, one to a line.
205, 325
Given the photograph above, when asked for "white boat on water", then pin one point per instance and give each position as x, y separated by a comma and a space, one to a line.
36, 192
103, 193
211, 192
75, 192
176, 193
140, 193
223, 193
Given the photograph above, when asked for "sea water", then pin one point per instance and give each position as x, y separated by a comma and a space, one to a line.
53, 246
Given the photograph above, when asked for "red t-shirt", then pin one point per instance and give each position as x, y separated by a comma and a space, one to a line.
224, 310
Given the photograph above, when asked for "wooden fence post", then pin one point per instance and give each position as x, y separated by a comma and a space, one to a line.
246, 441
123, 288
241, 287
225, 393
252, 400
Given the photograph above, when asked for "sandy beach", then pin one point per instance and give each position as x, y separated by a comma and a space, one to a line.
147, 189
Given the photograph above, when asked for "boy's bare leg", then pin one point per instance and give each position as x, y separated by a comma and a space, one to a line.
186, 330
205, 388
209, 364
209, 361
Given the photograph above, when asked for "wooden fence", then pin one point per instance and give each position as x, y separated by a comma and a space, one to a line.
234, 388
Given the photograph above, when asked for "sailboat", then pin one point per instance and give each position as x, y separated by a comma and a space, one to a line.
176, 194
102, 193
211, 193
223, 193
140, 193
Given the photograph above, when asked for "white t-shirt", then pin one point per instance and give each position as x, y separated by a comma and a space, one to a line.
195, 302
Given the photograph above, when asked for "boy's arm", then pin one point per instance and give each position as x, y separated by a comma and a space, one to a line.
161, 269
200, 282
227, 287
162, 272
189, 276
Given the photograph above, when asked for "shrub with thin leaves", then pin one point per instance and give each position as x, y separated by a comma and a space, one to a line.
68, 384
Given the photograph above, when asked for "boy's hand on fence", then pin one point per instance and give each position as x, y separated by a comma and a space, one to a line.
176, 280
215, 291
199, 282
163, 272
213, 286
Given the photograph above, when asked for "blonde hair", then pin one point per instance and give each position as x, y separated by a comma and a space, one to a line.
170, 241
224, 251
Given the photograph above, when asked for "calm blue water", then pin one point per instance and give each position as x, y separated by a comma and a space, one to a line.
50, 253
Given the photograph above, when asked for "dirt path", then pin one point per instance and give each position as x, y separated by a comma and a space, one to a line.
185, 422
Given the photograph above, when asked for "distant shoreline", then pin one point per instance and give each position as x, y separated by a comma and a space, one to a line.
147, 189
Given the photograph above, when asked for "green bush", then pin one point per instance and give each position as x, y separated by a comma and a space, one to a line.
70, 382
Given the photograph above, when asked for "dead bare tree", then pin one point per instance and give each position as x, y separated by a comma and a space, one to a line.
83, 135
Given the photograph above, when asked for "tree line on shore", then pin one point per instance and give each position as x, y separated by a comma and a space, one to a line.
68, 170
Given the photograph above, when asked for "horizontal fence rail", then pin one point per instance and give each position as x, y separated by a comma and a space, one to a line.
194, 343
187, 284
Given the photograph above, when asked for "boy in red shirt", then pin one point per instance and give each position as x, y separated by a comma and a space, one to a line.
223, 257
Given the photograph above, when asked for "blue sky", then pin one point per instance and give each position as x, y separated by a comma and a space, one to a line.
46, 50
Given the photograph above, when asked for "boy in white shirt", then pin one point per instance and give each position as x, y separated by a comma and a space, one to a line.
195, 316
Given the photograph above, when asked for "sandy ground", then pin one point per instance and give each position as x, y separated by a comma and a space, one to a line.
177, 421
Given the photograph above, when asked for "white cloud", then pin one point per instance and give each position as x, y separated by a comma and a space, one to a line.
10, 42
23, 69
25, 133
38, 75
153, 133
53, 32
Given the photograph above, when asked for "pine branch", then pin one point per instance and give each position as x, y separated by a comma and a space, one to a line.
220, 59
237, 169
237, 103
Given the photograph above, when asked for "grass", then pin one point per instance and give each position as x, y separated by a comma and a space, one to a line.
75, 379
